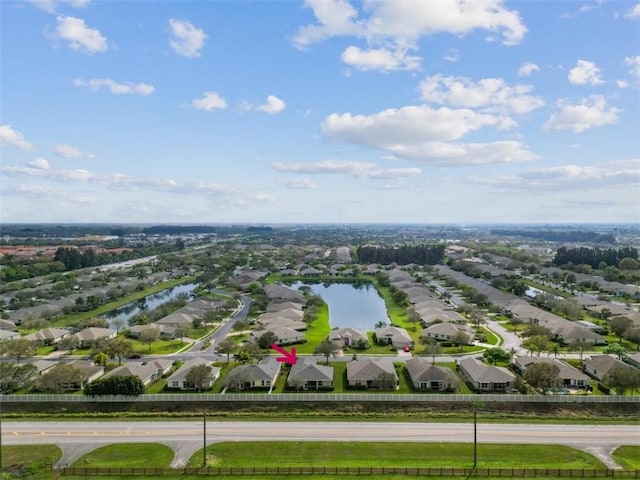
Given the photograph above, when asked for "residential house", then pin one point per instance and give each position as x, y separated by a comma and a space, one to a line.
394, 336
48, 336
367, 373
260, 375
148, 372
177, 318
6, 335
425, 376
178, 380
285, 335
280, 293
308, 375
599, 366
486, 378
446, 331
263, 322
633, 359
88, 336
349, 337
89, 371
7, 325
571, 377
167, 332
277, 307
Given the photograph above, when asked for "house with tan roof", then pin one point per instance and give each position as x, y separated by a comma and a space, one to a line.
425, 376
367, 373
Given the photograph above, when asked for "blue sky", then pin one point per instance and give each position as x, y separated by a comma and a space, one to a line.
391, 111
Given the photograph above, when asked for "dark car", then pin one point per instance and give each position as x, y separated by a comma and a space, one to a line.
135, 356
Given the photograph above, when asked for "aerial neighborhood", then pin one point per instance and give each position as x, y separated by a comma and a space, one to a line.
471, 314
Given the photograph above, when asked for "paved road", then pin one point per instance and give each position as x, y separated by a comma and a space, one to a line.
185, 438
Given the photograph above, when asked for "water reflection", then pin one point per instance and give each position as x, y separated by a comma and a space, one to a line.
356, 305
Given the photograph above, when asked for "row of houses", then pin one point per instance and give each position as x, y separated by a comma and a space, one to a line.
283, 317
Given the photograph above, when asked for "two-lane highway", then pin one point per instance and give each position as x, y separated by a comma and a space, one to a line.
16, 433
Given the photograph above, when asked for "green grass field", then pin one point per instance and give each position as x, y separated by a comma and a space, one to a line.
127, 455
628, 457
379, 454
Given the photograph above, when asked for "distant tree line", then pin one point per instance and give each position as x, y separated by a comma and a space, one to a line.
423, 254
558, 235
179, 229
595, 257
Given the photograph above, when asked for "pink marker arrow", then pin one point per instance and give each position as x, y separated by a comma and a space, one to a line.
289, 357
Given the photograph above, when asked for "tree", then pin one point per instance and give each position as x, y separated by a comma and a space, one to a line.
266, 339
227, 347
617, 349
431, 348
149, 335
60, 378
628, 263
380, 324
579, 346
622, 379
555, 349
460, 339
326, 348
70, 342
619, 325
536, 330
537, 343
14, 376
101, 359
543, 376
633, 335
385, 381
182, 330
118, 323
495, 355
19, 348
514, 322
116, 385
243, 356
199, 376
235, 379
119, 347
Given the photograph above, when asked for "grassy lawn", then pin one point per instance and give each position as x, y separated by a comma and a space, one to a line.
317, 332
159, 347
225, 368
554, 291
127, 455
393, 454
628, 457
492, 338
157, 386
45, 350
36, 460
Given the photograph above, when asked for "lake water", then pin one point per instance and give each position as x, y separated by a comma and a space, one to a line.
350, 305
148, 303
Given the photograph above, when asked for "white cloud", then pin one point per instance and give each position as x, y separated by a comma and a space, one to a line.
80, 37
590, 112
126, 88
527, 69
209, 101
273, 105
634, 11
585, 73
52, 5
186, 39
569, 177
403, 22
356, 169
69, 151
634, 66
622, 84
40, 163
8, 136
421, 134
299, 183
489, 94
39, 191
380, 59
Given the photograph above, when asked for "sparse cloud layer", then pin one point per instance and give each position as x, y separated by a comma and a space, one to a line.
69, 151
588, 113
126, 88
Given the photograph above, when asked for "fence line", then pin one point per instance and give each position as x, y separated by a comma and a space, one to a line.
322, 397
315, 470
